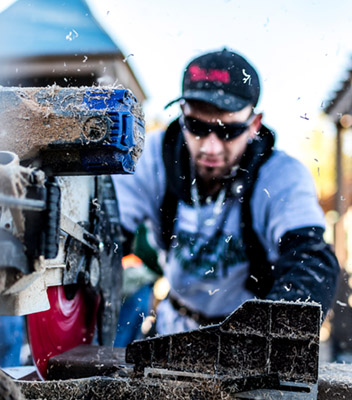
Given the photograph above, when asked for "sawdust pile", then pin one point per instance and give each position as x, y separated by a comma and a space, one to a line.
8, 389
123, 388
28, 121
138, 134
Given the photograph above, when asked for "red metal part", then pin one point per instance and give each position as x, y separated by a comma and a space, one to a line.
67, 324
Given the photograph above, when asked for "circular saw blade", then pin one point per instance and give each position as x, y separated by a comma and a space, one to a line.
67, 324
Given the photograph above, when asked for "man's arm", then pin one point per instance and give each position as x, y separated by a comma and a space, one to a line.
306, 268
140, 195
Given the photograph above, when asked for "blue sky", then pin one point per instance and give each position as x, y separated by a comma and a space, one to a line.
301, 49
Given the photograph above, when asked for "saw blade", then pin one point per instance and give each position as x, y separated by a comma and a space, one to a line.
68, 323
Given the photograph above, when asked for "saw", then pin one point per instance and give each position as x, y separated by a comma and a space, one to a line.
60, 263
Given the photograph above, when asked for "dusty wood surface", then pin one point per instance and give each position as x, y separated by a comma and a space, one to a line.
27, 125
8, 389
86, 360
335, 382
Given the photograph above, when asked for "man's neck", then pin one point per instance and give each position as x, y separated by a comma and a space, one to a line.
209, 187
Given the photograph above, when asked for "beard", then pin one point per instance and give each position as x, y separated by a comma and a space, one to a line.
210, 179
213, 174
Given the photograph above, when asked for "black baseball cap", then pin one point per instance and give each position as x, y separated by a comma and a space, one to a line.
223, 78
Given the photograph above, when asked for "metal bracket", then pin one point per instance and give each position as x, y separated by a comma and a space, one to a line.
258, 339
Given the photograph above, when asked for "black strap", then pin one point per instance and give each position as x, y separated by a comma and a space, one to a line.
260, 279
168, 213
176, 161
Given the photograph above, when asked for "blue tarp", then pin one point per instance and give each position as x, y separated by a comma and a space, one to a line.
32, 28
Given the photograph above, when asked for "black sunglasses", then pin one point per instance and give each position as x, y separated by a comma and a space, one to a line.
223, 131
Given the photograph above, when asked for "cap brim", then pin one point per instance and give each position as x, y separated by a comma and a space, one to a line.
216, 98
173, 102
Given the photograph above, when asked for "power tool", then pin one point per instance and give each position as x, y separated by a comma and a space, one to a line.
60, 239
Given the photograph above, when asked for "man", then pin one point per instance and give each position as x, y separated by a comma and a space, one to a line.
238, 219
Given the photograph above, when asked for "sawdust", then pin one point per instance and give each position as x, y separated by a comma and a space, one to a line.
124, 388
335, 382
29, 121
8, 389
138, 135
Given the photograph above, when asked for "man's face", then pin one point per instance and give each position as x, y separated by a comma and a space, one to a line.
214, 157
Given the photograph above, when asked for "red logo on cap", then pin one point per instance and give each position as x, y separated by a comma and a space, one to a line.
201, 74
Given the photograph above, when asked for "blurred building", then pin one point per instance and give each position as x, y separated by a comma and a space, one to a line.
43, 42
339, 110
